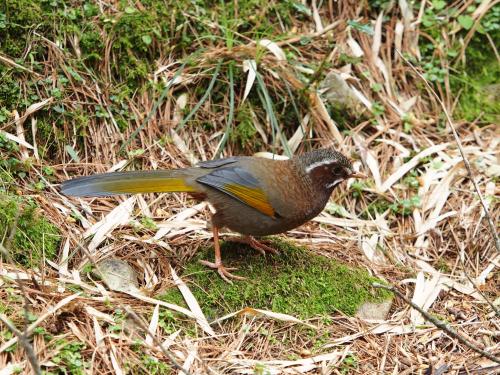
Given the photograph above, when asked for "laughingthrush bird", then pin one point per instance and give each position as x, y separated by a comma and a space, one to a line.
252, 196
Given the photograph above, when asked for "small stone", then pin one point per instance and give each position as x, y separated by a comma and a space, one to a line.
118, 275
374, 310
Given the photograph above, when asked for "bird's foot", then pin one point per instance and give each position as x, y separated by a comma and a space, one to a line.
254, 244
222, 271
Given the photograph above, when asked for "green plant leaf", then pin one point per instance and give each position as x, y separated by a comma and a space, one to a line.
438, 4
301, 8
364, 28
72, 153
465, 21
146, 39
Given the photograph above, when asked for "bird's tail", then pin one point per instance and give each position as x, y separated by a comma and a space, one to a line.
105, 184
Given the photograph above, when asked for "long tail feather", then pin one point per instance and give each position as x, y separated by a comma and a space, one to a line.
132, 182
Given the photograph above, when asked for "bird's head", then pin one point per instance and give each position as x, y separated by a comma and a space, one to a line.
327, 167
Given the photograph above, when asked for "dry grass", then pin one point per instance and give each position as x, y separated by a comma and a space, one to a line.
440, 253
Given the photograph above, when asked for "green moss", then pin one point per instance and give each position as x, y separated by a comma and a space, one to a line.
19, 17
477, 80
481, 93
34, 236
295, 282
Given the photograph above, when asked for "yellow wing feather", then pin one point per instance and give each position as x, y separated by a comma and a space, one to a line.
254, 197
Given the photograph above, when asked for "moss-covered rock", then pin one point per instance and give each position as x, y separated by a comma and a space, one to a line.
26, 235
295, 282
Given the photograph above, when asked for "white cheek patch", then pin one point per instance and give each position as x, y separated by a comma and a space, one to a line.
319, 164
334, 183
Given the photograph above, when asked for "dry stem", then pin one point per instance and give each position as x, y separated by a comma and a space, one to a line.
439, 324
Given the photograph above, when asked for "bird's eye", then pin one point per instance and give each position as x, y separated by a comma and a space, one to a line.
337, 170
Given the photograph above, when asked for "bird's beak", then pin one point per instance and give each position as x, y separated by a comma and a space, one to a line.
357, 175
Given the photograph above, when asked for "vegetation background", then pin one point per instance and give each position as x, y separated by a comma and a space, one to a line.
94, 85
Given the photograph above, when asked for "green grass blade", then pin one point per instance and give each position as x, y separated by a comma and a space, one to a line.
157, 104
203, 99
231, 111
268, 105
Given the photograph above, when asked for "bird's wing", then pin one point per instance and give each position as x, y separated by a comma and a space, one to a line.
216, 163
241, 185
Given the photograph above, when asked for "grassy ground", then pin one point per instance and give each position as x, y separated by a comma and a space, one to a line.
90, 85
292, 282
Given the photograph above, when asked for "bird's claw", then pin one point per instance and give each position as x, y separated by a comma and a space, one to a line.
223, 271
262, 247
254, 244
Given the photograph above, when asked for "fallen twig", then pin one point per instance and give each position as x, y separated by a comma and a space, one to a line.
22, 337
440, 324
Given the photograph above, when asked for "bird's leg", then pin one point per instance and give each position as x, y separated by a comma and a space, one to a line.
223, 271
254, 244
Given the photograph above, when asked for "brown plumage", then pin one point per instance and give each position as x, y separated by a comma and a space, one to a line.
252, 196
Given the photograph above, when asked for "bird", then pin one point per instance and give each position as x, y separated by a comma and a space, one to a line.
251, 195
